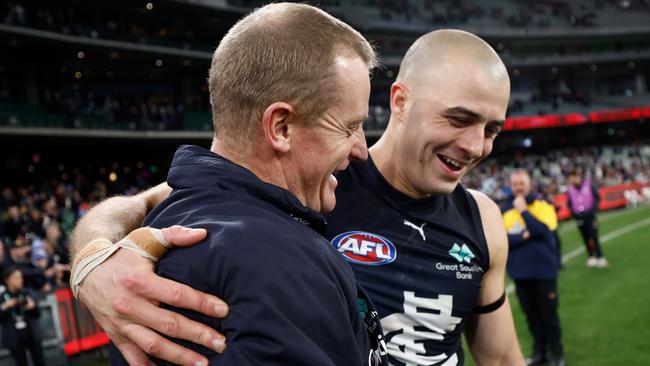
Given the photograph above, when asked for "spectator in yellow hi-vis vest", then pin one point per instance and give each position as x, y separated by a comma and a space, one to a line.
533, 265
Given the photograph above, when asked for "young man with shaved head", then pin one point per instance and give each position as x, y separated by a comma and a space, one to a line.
430, 253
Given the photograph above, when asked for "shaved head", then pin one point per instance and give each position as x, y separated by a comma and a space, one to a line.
448, 104
436, 51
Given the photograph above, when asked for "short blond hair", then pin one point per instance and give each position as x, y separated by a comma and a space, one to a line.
280, 52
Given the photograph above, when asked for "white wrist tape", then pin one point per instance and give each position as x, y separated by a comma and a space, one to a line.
92, 255
148, 242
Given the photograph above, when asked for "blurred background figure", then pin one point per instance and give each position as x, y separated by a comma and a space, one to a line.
18, 315
533, 265
583, 203
51, 257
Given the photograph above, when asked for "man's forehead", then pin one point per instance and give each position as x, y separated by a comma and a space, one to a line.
458, 86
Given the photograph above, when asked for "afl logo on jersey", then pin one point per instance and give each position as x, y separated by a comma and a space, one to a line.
365, 248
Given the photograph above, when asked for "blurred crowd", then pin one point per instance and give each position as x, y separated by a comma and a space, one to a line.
36, 222
76, 109
607, 165
35, 227
154, 112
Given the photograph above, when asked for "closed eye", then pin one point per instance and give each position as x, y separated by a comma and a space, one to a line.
492, 131
460, 121
352, 129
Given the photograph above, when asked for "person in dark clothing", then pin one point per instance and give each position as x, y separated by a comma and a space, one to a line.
584, 199
533, 265
289, 86
18, 315
267, 255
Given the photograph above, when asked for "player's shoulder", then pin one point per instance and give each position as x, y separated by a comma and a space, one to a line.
493, 226
485, 204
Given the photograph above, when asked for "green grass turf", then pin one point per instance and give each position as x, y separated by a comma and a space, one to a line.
605, 314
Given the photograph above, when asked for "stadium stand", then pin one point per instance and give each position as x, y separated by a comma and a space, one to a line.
111, 86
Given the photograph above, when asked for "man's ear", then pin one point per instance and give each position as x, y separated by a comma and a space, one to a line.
399, 94
275, 123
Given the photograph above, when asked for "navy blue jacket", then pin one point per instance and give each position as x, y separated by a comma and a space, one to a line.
292, 298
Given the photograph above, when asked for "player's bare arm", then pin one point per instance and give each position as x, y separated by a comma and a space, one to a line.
123, 293
491, 335
115, 217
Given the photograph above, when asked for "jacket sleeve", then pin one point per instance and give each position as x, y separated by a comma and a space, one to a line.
515, 241
536, 227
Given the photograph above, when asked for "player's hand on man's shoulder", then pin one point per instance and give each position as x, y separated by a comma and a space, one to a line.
123, 293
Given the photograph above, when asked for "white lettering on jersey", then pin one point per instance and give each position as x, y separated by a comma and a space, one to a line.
419, 229
350, 245
366, 246
408, 347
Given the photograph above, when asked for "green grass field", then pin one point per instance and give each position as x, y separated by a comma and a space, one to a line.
605, 313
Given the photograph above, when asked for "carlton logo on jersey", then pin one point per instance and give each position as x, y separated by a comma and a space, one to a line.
365, 248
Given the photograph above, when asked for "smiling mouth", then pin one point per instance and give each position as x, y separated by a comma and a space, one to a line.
451, 163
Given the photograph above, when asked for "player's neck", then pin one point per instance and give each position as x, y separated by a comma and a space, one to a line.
383, 156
